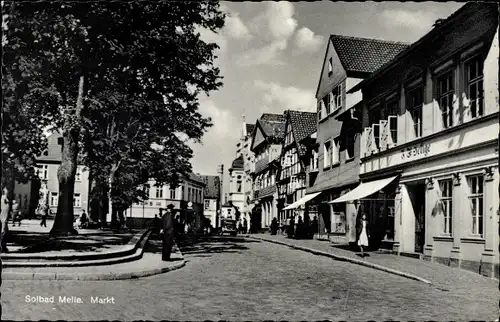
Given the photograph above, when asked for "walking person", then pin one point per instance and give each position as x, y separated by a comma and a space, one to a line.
45, 212
83, 220
314, 226
245, 226
168, 233
156, 225
274, 226
300, 228
363, 235
16, 214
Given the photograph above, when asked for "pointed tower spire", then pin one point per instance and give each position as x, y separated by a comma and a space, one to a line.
244, 124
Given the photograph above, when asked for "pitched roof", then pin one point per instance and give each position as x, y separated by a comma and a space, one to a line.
273, 129
365, 54
272, 117
438, 27
238, 163
250, 128
303, 125
195, 178
212, 186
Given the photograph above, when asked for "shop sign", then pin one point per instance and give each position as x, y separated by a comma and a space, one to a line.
416, 151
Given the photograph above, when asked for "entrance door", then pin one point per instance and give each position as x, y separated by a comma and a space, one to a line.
418, 202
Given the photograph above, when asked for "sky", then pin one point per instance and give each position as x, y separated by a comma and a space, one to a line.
271, 55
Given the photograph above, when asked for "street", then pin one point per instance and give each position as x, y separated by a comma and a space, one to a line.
242, 279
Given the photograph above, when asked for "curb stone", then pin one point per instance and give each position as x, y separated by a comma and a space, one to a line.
347, 259
44, 276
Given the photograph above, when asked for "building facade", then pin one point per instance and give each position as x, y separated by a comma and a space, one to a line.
47, 166
347, 61
291, 175
237, 187
211, 199
266, 145
190, 189
429, 156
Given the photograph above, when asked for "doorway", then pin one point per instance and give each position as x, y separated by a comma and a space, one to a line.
417, 197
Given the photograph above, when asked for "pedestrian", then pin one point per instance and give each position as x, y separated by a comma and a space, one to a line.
291, 228
83, 219
363, 234
156, 225
300, 228
240, 227
45, 213
314, 226
168, 233
274, 226
245, 226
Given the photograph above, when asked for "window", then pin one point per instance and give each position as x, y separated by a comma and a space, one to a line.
328, 103
77, 200
414, 106
445, 97
476, 203
315, 160
391, 108
327, 154
43, 171
374, 115
474, 81
330, 66
446, 187
349, 142
54, 199
337, 92
172, 193
78, 175
238, 186
159, 191
336, 151
182, 193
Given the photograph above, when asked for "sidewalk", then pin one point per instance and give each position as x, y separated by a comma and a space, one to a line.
149, 264
440, 276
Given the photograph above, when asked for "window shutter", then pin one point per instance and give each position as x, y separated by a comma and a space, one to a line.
392, 139
384, 133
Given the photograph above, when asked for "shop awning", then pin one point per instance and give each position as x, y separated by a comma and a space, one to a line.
302, 201
365, 189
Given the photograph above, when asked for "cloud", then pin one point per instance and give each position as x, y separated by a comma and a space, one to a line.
288, 98
219, 143
235, 28
276, 21
267, 55
401, 18
307, 41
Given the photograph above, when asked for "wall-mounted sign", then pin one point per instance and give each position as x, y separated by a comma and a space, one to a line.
415, 151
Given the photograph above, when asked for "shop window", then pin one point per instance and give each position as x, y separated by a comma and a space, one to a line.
446, 187
338, 218
476, 203
474, 80
446, 92
415, 101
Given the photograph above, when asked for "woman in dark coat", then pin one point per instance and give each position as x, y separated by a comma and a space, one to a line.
274, 226
300, 228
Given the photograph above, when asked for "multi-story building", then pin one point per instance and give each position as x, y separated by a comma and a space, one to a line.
266, 145
347, 61
429, 146
237, 188
243, 149
291, 176
190, 190
27, 195
211, 199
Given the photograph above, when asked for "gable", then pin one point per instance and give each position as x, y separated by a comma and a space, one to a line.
258, 137
327, 81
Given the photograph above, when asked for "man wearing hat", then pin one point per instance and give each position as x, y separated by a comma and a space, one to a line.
168, 232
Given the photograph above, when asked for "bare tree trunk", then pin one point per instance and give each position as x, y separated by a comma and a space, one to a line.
6, 207
63, 223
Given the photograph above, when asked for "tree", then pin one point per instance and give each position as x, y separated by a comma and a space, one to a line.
132, 49
22, 131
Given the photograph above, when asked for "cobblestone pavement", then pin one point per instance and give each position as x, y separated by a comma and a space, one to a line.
440, 275
242, 279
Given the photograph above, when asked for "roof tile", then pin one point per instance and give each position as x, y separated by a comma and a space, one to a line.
364, 54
